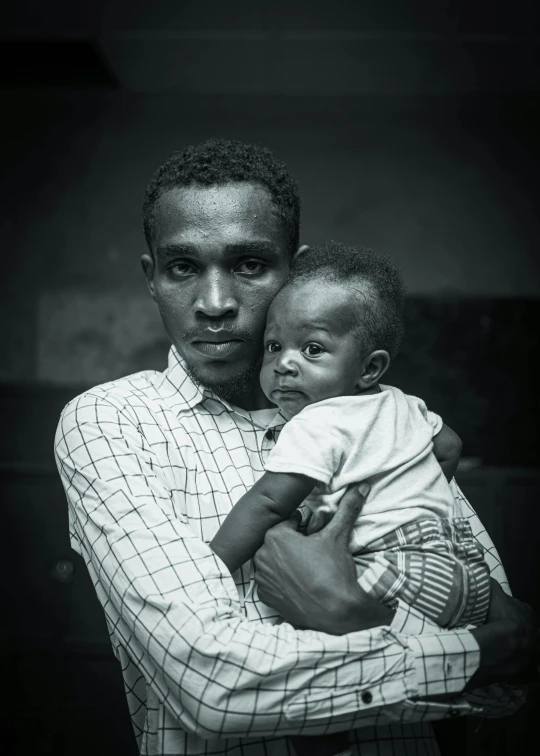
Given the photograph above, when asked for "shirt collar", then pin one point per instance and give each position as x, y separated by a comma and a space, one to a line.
175, 384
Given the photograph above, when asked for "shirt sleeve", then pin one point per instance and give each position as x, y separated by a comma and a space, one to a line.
463, 508
494, 701
435, 421
502, 699
173, 606
432, 418
307, 445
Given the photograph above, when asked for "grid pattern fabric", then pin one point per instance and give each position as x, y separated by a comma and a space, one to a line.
151, 465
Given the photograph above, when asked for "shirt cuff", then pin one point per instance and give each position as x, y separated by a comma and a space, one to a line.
445, 660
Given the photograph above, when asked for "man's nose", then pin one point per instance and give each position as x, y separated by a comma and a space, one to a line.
286, 363
216, 296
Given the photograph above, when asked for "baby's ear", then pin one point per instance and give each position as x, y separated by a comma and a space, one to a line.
374, 367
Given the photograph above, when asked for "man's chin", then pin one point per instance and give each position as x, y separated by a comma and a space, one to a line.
226, 380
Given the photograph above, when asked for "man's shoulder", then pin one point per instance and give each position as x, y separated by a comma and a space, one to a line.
141, 406
135, 391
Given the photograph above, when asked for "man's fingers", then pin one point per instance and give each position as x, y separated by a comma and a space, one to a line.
348, 510
292, 523
501, 604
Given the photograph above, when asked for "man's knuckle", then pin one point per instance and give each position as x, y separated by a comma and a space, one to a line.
270, 537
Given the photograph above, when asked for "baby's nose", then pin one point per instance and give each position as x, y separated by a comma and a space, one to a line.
286, 363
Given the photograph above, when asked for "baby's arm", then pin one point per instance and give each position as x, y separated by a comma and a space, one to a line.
273, 498
447, 449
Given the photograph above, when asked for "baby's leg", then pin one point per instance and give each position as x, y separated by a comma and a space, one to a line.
336, 744
433, 565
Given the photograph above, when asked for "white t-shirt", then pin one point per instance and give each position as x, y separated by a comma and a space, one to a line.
385, 439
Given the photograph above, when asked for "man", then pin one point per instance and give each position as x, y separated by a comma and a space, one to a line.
152, 463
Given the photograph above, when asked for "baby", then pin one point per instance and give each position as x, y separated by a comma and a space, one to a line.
330, 335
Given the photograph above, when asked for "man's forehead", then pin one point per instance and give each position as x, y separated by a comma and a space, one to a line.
233, 198
227, 211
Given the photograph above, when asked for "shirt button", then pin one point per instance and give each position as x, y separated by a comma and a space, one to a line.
269, 434
366, 697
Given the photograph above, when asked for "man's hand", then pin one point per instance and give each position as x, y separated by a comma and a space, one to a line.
508, 641
311, 580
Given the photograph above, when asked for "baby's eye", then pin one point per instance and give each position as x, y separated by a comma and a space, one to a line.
272, 347
313, 350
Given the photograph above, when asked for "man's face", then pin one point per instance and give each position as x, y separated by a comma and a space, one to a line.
311, 351
220, 254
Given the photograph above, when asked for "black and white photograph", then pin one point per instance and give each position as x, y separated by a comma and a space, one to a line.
270, 469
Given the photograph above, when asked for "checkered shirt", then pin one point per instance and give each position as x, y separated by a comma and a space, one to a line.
151, 465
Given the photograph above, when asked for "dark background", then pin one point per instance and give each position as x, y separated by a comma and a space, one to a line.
413, 127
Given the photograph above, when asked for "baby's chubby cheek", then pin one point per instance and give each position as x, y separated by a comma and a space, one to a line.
265, 379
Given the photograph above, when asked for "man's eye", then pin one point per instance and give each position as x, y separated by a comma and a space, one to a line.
272, 347
180, 269
313, 350
251, 267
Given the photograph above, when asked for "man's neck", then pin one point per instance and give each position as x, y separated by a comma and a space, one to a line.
252, 400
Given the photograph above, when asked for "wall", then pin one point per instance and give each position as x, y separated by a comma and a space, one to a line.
445, 186
441, 184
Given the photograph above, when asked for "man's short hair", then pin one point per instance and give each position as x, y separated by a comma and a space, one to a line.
382, 294
221, 161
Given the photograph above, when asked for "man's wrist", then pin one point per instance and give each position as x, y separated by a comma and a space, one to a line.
498, 652
356, 611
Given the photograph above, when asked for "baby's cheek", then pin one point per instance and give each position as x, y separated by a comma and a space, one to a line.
265, 377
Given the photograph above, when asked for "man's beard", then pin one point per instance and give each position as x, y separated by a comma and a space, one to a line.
234, 386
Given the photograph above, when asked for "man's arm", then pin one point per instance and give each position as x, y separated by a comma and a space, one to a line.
447, 449
288, 562
273, 498
502, 655
500, 699
174, 607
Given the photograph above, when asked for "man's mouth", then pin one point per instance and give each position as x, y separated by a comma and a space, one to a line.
216, 343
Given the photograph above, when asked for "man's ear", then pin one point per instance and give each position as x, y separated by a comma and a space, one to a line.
374, 366
147, 262
300, 251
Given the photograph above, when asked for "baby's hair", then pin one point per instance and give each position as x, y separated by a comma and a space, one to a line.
382, 292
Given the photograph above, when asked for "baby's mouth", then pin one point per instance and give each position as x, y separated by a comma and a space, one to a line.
287, 393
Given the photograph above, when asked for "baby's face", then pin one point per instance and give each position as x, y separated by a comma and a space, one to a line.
310, 349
